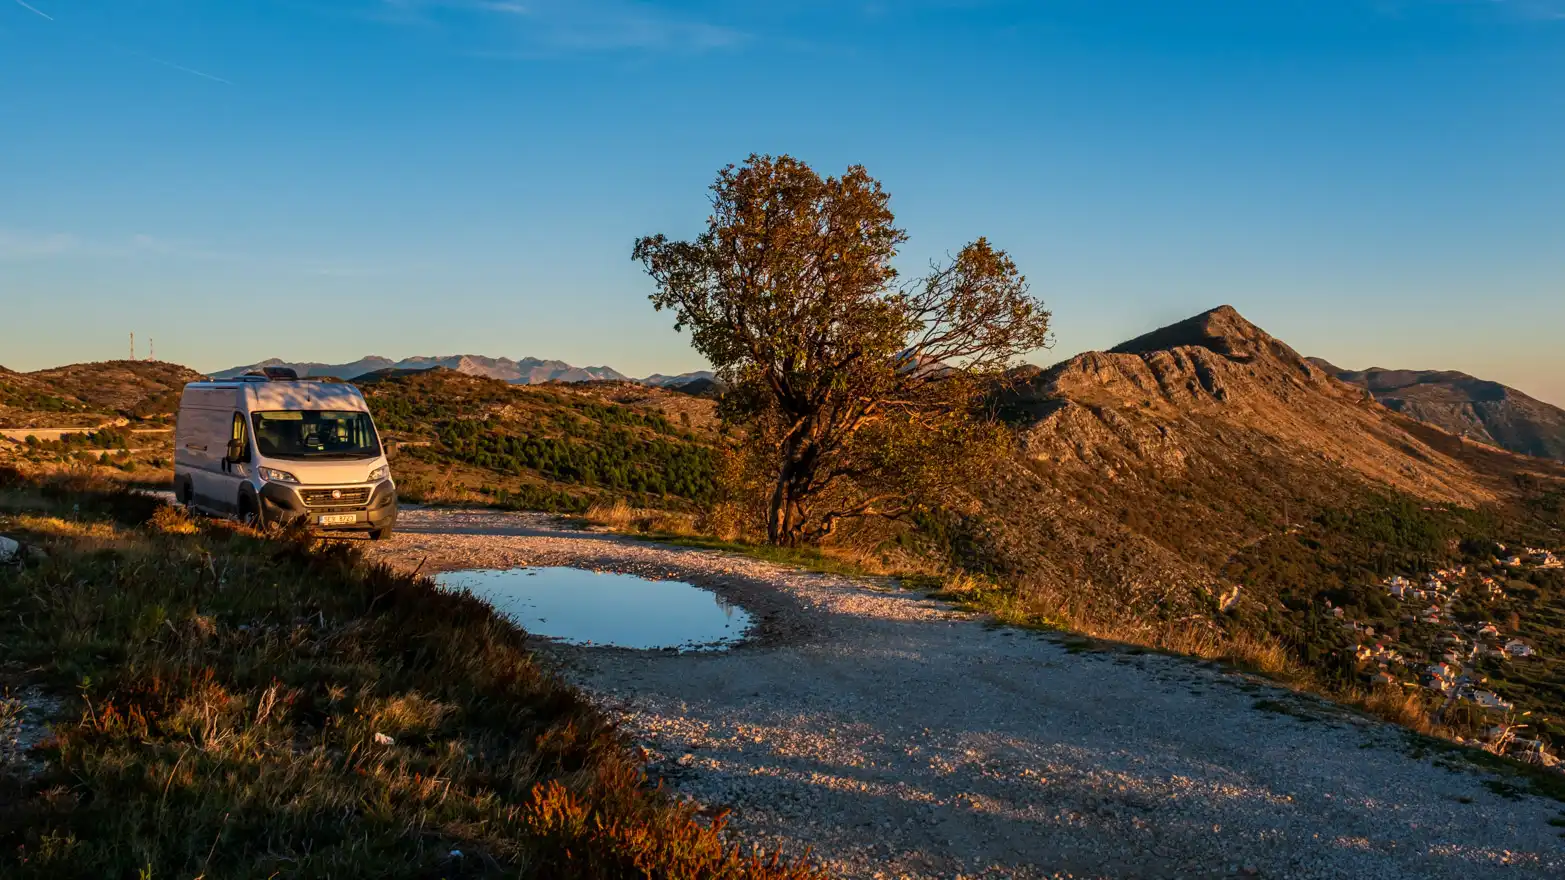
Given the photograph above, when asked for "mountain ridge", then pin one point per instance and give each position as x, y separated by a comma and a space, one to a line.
1477, 409
523, 371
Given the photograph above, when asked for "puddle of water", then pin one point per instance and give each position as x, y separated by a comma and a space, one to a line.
602, 609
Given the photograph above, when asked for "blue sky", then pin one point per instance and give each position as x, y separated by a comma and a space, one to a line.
1378, 182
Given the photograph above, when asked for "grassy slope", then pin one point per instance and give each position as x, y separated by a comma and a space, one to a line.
91, 394
1336, 540
226, 693
140, 397
560, 447
21, 395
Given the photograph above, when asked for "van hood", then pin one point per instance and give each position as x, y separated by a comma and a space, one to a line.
326, 473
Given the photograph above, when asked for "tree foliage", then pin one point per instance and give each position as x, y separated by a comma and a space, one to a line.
857, 395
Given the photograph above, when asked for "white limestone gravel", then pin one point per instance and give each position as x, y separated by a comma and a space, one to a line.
886, 735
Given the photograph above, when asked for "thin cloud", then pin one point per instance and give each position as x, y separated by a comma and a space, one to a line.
34, 10
128, 51
511, 28
190, 70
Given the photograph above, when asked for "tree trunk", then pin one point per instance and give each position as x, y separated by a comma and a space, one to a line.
776, 510
785, 516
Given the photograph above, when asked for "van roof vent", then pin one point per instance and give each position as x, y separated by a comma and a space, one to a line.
281, 374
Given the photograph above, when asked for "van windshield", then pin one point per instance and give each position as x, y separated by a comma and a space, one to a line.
315, 434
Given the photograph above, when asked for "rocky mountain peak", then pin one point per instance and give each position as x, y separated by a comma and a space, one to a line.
1222, 330
1216, 357
1217, 395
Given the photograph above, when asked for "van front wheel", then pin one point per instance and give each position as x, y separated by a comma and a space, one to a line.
249, 515
380, 534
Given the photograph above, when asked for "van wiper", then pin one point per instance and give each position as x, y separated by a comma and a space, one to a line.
339, 456
324, 456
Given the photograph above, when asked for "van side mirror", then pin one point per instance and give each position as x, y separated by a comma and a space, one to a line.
236, 450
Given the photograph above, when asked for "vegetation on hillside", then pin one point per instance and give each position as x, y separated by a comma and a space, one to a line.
562, 448
1343, 559
124, 410
244, 707
27, 397
92, 394
106, 438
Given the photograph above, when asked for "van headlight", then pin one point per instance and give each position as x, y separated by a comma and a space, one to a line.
272, 475
377, 474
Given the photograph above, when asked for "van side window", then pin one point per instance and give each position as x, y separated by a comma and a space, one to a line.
239, 431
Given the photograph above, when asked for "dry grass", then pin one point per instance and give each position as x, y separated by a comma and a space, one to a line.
622, 517
251, 708
1398, 705
619, 515
1189, 637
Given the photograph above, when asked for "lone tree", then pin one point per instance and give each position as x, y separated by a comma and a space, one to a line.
860, 397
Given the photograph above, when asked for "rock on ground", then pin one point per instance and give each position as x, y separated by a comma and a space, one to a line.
25, 716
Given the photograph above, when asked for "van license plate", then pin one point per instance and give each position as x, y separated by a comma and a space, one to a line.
338, 519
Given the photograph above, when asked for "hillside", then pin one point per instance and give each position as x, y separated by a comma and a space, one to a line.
25, 400
90, 394
1487, 412
561, 447
527, 371
123, 409
1208, 456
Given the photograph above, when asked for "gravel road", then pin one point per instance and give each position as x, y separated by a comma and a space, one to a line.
889, 736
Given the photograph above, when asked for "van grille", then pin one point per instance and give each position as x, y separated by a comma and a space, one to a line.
353, 497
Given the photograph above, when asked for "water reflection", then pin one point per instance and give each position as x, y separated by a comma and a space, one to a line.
581, 607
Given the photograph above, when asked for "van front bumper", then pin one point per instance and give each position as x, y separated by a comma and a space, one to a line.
282, 504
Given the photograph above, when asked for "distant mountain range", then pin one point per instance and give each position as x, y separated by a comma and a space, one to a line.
662, 381
1487, 412
527, 371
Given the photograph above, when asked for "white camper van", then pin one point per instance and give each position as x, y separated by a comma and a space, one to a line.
276, 449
